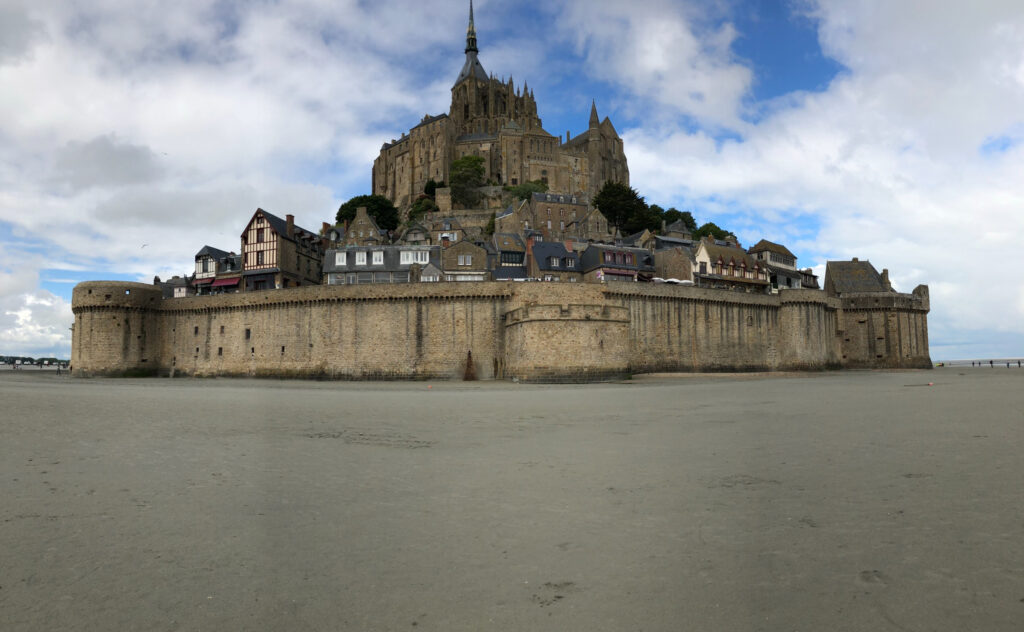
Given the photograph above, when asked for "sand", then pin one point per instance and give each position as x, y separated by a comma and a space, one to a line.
829, 501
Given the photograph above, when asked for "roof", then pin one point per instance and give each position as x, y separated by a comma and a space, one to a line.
508, 241
477, 136
764, 244
427, 120
842, 277
678, 226
559, 198
210, 251
543, 252
591, 257
727, 252
280, 226
472, 68
672, 242
502, 273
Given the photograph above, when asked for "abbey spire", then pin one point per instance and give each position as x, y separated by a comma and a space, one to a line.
471, 32
472, 67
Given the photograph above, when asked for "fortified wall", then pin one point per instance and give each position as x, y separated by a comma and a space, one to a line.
530, 331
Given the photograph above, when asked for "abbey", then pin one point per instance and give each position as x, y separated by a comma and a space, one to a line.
499, 122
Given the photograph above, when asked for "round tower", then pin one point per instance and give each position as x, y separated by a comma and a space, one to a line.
116, 330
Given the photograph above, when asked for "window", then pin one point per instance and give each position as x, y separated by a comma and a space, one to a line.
360, 258
260, 258
340, 258
570, 262
553, 262
222, 329
259, 235
703, 267
609, 257
220, 351
561, 225
465, 260
407, 257
378, 257
248, 334
549, 224
195, 331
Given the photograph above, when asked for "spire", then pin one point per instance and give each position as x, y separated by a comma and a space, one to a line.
472, 67
594, 120
471, 32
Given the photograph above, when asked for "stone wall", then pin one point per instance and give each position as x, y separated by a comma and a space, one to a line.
529, 331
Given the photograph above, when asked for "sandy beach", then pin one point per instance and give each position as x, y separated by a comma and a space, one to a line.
826, 501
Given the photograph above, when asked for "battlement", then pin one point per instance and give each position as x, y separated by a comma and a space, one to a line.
530, 331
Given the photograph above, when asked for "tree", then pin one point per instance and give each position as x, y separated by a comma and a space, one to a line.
489, 229
430, 187
421, 207
710, 228
466, 176
621, 205
526, 190
377, 206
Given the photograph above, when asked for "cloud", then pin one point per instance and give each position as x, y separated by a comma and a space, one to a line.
105, 161
660, 52
18, 31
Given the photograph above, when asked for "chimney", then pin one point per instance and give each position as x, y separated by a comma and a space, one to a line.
855, 259
885, 279
291, 225
567, 136
324, 228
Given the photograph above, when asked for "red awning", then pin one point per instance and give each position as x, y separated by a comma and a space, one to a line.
223, 282
202, 281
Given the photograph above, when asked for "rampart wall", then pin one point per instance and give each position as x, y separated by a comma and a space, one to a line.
529, 331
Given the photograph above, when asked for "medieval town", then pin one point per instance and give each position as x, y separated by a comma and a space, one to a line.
485, 193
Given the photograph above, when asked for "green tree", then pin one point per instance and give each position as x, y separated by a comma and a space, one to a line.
466, 176
621, 205
675, 215
489, 229
421, 207
377, 206
431, 186
526, 190
710, 228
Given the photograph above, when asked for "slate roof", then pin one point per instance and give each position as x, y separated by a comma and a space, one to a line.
427, 120
844, 277
673, 242
764, 244
727, 253
280, 226
391, 261
216, 253
544, 250
504, 273
472, 68
515, 242
678, 226
592, 258
477, 136
559, 198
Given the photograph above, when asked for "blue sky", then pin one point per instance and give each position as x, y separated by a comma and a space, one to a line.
132, 134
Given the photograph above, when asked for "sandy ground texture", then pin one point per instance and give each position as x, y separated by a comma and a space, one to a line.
832, 501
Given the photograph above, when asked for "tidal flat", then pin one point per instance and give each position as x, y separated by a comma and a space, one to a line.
849, 500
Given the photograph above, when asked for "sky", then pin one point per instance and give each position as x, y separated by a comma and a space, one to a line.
134, 133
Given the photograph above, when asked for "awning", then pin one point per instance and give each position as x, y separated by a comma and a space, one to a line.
202, 281
224, 282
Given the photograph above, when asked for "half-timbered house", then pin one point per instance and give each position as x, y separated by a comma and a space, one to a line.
278, 254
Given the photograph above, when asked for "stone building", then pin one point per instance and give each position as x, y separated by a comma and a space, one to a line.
494, 119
